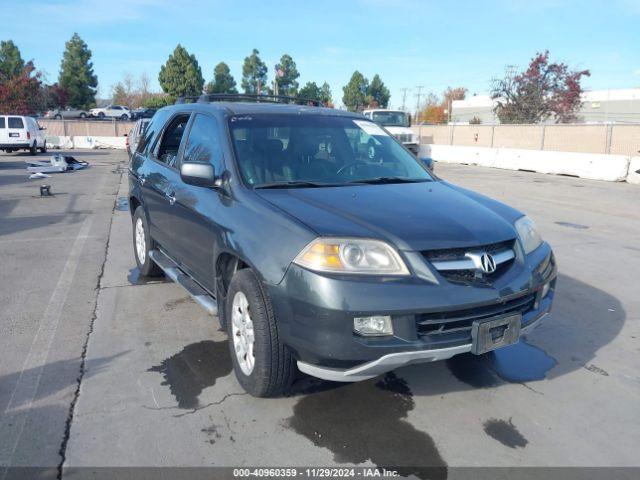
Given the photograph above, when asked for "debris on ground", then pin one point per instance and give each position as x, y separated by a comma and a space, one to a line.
56, 164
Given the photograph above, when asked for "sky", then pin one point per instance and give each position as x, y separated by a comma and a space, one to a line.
409, 43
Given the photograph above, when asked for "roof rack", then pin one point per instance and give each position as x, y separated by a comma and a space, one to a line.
245, 97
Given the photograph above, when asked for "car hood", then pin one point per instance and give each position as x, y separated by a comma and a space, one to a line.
413, 216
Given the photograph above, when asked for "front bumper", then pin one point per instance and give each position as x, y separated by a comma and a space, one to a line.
315, 315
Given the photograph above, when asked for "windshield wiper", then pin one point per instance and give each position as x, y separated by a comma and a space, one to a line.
380, 180
296, 184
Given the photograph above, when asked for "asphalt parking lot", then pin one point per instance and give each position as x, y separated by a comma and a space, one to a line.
154, 373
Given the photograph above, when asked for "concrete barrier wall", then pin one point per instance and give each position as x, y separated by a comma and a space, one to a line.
614, 168
87, 128
634, 168
91, 142
604, 139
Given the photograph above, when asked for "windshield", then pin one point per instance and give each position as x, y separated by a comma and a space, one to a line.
391, 119
314, 150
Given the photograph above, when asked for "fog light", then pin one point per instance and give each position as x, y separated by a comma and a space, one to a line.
372, 326
545, 290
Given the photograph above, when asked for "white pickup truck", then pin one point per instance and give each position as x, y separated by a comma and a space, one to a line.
397, 124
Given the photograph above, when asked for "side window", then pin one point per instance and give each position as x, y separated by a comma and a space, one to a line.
170, 144
15, 122
151, 132
2, 123
203, 144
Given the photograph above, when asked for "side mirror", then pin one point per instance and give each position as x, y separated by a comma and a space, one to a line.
42, 128
198, 174
427, 162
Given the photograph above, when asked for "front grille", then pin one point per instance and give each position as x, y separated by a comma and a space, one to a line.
456, 325
403, 137
471, 276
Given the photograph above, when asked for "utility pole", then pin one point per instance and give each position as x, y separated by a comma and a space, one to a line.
418, 95
404, 98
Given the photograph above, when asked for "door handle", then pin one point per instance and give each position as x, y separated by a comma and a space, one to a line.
142, 179
171, 197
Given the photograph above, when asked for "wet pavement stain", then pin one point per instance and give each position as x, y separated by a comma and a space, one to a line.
521, 362
134, 278
595, 369
122, 204
172, 304
193, 369
212, 433
367, 421
505, 432
517, 363
577, 226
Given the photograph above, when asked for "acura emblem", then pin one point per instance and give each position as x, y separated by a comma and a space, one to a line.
487, 263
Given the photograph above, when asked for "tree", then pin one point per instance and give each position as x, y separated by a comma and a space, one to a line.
378, 92
287, 82
451, 94
223, 81
310, 91
20, 94
52, 96
76, 74
433, 114
157, 100
325, 95
355, 92
254, 74
11, 62
542, 91
181, 75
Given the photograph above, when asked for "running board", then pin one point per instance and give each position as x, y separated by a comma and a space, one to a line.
173, 271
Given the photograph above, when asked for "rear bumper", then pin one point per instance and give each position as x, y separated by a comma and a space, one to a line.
15, 145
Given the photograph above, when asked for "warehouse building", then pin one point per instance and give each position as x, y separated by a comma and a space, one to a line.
598, 106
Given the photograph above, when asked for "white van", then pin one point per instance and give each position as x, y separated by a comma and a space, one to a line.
21, 133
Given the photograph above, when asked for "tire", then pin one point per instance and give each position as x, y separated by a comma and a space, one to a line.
34, 149
101, 115
146, 266
58, 116
273, 367
44, 147
83, 115
124, 117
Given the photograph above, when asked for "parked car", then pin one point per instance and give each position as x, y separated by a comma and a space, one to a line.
316, 256
143, 113
21, 133
111, 111
134, 135
67, 112
397, 124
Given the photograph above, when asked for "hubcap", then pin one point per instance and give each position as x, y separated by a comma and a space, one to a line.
242, 329
140, 243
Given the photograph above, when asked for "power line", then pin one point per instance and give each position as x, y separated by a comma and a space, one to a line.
404, 98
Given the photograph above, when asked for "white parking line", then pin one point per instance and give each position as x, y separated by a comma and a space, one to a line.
28, 382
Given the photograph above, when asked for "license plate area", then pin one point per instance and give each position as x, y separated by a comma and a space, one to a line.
495, 332
14, 134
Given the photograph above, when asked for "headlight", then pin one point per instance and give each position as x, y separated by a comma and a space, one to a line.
351, 255
528, 234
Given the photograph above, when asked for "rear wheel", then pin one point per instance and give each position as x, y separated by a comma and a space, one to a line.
262, 363
33, 150
58, 116
143, 244
101, 115
124, 117
83, 115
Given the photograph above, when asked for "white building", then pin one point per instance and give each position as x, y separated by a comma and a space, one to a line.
598, 106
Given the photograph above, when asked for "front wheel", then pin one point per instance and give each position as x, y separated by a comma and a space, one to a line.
142, 244
124, 117
33, 150
83, 116
44, 147
262, 363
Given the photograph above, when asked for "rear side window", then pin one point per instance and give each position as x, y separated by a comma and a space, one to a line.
2, 123
15, 122
148, 139
171, 139
203, 144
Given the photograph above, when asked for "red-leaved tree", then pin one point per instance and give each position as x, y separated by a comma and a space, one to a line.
21, 94
542, 91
